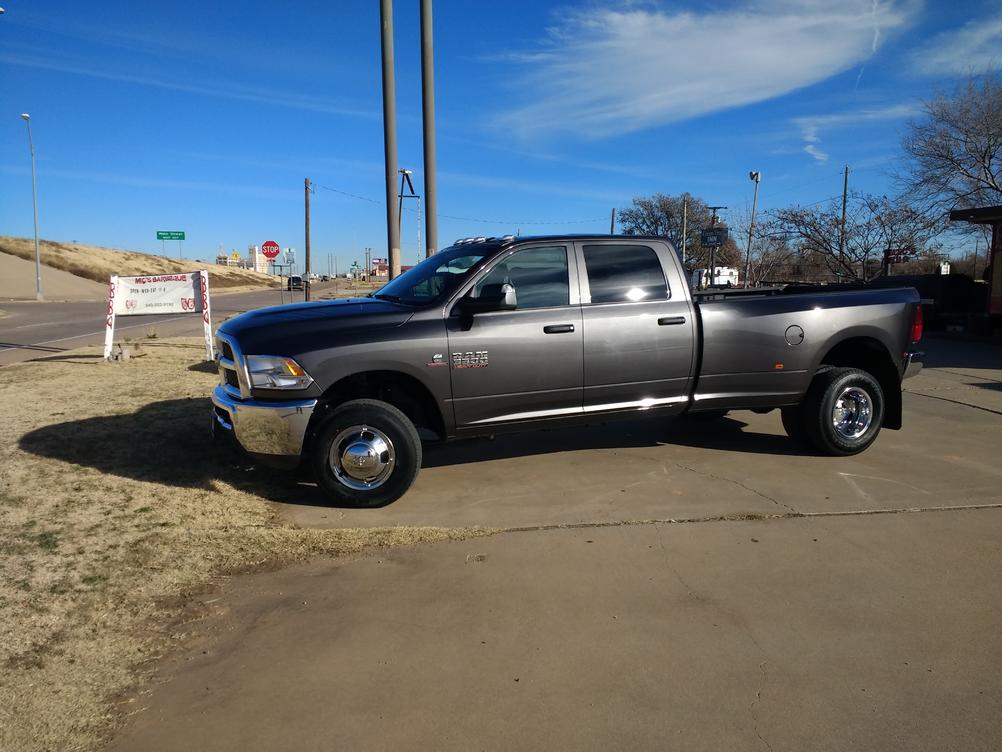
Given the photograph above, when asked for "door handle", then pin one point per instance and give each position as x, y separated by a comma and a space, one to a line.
558, 329
671, 320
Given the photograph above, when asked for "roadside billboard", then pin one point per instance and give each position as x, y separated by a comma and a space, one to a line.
154, 294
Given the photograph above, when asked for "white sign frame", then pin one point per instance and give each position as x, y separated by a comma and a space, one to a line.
168, 295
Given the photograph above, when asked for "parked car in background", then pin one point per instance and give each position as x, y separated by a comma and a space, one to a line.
723, 276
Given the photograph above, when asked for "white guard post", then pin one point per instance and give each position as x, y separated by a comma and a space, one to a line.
109, 328
159, 294
203, 277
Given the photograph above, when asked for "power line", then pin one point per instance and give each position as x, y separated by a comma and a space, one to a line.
471, 219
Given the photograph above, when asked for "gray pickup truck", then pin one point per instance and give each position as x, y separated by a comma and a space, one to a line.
502, 334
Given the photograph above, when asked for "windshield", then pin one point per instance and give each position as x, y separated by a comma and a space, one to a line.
434, 278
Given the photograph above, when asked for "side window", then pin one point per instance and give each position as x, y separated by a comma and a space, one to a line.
624, 274
539, 276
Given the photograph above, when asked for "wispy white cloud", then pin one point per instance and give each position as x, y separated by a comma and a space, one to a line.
811, 126
134, 181
524, 185
224, 90
603, 71
972, 48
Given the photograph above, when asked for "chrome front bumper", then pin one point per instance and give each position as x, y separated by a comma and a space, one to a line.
263, 428
913, 364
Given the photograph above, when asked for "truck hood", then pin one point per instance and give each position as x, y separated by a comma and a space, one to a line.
301, 327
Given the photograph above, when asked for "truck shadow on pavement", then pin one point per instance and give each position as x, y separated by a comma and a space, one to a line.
725, 434
169, 442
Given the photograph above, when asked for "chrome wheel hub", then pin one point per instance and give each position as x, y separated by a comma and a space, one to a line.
852, 413
362, 457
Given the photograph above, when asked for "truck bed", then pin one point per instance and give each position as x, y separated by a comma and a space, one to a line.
761, 346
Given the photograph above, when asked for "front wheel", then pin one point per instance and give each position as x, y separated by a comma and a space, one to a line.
366, 454
843, 411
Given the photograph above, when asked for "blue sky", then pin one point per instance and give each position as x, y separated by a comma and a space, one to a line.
206, 117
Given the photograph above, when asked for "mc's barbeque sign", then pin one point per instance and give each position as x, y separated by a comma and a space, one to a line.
151, 294
169, 293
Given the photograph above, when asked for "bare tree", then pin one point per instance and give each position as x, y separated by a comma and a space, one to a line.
955, 149
874, 224
661, 215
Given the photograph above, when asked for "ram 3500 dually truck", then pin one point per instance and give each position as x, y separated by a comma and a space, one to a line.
492, 335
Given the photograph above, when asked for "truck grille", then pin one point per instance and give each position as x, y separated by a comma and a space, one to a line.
232, 375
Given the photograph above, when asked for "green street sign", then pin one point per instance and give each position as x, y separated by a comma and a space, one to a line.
170, 234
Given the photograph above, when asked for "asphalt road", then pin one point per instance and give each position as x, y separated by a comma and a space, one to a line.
653, 585
29, 329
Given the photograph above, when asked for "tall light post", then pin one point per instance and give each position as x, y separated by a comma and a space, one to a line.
755, 177
34, 204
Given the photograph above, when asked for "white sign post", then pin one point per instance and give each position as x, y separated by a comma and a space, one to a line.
158, 294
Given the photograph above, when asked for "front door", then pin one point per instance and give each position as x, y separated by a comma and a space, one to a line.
523, 364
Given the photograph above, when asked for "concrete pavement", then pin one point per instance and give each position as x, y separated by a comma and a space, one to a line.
741, 465
867, 633
796, 603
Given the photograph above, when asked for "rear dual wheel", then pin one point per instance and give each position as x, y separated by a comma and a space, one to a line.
841, 414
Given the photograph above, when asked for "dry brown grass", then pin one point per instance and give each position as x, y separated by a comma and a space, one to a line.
114, 507
99, 264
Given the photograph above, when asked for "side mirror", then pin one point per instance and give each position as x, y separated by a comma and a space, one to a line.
500, 297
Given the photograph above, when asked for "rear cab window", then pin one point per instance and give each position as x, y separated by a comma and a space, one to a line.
624, 273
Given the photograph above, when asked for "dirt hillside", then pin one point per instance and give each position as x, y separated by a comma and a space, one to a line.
17, 282
98, 264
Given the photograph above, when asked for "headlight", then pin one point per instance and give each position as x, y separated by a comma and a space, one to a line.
274, 372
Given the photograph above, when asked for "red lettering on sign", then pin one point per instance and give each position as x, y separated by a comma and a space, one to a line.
205, 299
110, 317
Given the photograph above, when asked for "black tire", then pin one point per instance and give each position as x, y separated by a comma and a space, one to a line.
793, 423
384, 426
862, 404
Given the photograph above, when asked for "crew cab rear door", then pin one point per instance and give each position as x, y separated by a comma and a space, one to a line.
525, 364
639, 334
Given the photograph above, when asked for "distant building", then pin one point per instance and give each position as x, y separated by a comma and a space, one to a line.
256, 260
232, 259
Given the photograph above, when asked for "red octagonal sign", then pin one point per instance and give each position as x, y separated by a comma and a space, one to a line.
270, 249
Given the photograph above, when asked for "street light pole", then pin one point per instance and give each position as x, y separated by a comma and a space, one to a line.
34, 205
755, 177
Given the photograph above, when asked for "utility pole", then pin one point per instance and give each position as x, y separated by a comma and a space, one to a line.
685, 225
306, 285
841, 227
428, 118
713, 249
756, 177
612, 222
389, 136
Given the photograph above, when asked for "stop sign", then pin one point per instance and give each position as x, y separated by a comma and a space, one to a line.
270, 249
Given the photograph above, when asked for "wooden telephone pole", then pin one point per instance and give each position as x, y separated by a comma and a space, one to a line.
306, 282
